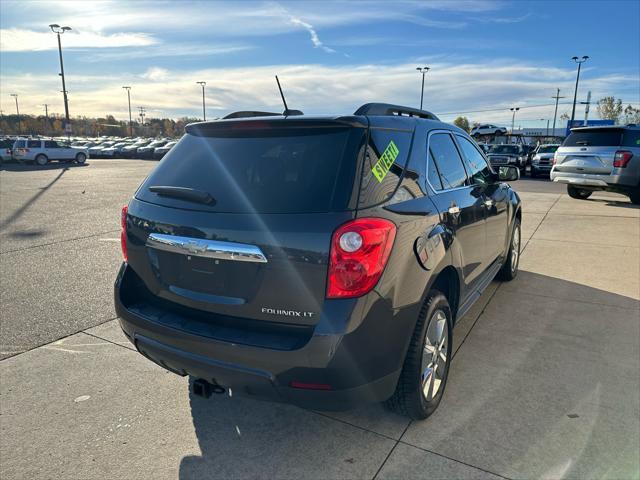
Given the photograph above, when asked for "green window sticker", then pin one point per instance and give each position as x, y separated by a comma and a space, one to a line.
383, 165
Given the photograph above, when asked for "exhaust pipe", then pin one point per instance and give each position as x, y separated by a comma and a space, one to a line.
204, 389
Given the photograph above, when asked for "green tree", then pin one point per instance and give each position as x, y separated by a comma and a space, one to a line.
463, 123
610, 109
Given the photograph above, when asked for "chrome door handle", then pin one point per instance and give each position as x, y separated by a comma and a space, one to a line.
454, 210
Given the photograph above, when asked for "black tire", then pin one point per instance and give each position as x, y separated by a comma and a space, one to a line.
509, 269
579, 193
635, 197
41, 159
408, 398
81, 158
533, 173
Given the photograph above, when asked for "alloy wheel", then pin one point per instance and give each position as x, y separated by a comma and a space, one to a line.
435, 355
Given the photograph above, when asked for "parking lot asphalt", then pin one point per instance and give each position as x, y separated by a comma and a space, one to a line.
544, 381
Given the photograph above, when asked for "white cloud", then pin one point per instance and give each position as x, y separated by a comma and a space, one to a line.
22, 40
450, 87
156, 74
314, 35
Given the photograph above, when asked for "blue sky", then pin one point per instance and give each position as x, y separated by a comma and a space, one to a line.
331, 56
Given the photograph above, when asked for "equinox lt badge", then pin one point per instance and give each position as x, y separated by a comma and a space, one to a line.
287, 313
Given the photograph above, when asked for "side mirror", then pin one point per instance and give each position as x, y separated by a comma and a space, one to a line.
508, 173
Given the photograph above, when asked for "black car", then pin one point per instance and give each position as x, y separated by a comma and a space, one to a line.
321, 261
508, 154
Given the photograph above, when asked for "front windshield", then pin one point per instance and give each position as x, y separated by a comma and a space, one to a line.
548, 149
512, 149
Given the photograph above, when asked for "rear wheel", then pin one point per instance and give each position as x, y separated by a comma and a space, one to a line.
509, 270
426, 367
41, 159
579, 193
635, 197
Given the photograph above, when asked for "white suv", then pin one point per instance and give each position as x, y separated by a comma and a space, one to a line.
43, 151
488, 129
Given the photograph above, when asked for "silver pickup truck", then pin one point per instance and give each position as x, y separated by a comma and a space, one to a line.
600, 158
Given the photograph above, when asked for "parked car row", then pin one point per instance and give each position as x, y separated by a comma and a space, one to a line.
41, 150
144, 148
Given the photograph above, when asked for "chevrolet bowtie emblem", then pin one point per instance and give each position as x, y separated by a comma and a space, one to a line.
194, 247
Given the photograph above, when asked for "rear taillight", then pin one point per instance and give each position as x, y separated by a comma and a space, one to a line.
359, 252
622, 158
123, 232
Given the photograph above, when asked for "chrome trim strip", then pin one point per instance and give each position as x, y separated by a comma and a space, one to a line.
200, 247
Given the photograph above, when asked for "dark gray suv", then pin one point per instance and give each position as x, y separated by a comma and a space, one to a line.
600, 158
321, 261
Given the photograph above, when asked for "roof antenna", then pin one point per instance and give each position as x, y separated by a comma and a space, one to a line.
286, 109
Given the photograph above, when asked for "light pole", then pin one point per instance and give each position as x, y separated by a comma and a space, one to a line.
46, 116
542, 120
575, 93
204, 113
128, 89
555, 113
15, 95
58, 30
422, 70
513, 117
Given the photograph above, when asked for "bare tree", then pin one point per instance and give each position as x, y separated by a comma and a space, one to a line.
610, 109
631, 115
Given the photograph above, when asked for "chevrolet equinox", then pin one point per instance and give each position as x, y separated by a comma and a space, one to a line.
316, 260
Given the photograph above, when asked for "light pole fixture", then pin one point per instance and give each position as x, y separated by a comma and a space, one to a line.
15, 95
579, 61
542, 120
58, 30
128, 89
204, 113
423, 71
513, 117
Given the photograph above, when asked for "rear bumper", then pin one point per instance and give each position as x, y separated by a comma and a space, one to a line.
360, 366
613, 182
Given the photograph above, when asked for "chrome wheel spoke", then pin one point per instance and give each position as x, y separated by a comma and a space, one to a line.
434, 356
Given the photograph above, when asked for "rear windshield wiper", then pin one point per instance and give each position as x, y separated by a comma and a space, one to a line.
184, 193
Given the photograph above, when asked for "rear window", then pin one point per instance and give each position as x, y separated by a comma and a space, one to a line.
597, 138
263, 170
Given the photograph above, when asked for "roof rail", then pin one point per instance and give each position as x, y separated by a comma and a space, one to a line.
252, 113
389, 109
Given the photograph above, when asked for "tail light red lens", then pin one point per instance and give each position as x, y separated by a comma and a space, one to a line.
622, 158
359, 252
123, 232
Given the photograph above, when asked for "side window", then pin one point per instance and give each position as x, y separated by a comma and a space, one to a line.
33, 144
50, 144
443, 152
477, 167
432, 173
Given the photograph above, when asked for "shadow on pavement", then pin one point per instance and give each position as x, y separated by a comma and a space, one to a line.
30, 167
15, 215
544, 386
